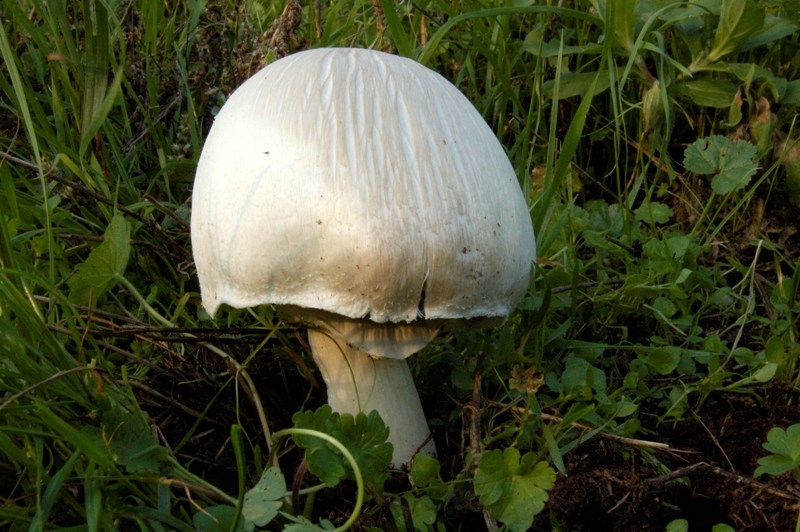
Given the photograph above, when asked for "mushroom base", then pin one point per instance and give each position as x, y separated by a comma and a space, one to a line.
358, 382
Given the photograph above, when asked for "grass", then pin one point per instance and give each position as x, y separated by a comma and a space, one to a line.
664, 307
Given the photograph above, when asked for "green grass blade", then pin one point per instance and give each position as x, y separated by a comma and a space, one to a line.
396, 31
75, 437
433, 43
53, 492
21, 96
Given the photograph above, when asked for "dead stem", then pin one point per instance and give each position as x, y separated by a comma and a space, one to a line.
580, 426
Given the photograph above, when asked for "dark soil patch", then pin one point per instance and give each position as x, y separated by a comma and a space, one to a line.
706, 478
194, 400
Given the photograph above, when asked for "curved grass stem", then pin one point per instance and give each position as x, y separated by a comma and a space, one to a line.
347, 455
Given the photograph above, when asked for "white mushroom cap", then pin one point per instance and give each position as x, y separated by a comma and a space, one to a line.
363, 193
361, 184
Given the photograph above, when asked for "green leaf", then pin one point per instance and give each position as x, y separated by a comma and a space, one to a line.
422, 510
217, 519
678, 245
302, 524
653, 212
792, 94
424, 470
553, 47
785, 448
752, 73
664, 306
678, 525
738, 20
714, 93
425, 475
92, 501
571, 85
663, 359
790, 158
263, 501
621, 17
775, 465
104, 265
129, 441
513, 490
732, 164
765, 373
786, 442
364, 435
581, 377
774, 29
775, 350
625, 408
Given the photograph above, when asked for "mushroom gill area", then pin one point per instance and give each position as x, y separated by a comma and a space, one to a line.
383, 340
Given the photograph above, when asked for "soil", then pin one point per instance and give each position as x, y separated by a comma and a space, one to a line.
705, 478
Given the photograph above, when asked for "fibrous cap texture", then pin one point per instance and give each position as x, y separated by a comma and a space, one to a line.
362, 184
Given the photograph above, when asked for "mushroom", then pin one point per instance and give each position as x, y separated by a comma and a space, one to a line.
360, 193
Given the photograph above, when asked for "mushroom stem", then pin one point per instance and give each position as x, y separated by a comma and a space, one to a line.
358, 382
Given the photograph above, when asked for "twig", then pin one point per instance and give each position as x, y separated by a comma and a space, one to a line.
296, 483
475, 407
630, 249
94, 311
716, 442
102, 199
163, 113
134, 242
17, 160
192, 412
619, 503
51, 378
137, 330
475, 432
189, 486
408, 518
318, 18
739, 479
430, 16
169, 212
179, 334
580, 426
120, 351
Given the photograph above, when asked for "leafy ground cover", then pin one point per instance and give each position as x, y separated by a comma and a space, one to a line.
650, 380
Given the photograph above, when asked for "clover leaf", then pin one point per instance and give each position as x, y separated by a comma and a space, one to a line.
263, 501
514, 490
785, 448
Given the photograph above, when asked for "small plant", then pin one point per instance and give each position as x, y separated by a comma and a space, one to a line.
513, 489
731, 164
364, 435
785, 448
